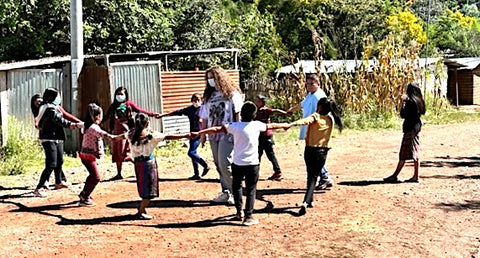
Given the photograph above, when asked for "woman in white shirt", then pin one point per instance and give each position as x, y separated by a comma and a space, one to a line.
222, 104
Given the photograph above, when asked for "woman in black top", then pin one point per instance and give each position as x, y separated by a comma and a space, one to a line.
51, 124
413, 107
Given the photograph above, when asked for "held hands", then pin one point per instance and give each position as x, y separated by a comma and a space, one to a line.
158, 115
76, 125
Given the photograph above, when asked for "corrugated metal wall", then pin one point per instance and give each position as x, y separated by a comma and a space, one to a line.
142, 82
23, 84
177, 89
159, 91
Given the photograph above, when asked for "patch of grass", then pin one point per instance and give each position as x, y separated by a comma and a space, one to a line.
23, 153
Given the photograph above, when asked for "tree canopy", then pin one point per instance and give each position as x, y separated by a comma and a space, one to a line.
266, 31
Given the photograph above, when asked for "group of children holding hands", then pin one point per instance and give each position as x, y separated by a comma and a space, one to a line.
133, 140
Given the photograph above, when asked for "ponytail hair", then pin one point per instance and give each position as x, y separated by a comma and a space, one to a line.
329, 106
141, 121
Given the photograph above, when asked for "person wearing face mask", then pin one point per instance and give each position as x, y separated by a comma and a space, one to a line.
50, 124
192, 112
35, 103
120, 116
222, 104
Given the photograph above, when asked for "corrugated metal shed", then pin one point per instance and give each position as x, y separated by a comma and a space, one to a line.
464, 80
143, 84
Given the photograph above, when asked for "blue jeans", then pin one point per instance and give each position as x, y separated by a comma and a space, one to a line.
192, 153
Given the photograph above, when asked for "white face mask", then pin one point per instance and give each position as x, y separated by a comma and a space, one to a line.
57, 100
211, 82
120, 98
197, 104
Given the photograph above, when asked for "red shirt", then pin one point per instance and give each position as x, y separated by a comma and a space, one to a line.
263, 115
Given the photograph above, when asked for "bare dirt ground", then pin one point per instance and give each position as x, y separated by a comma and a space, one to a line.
359, 217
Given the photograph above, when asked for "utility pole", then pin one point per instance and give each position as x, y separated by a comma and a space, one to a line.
76, 49
426, 51
76, 64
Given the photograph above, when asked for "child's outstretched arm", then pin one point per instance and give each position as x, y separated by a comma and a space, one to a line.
178, 136
116, 137
284, 126
304, 121
215, 129
277, 111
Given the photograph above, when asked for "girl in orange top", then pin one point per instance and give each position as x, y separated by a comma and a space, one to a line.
319, 131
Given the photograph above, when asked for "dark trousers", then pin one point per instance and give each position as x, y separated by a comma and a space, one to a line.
53, 162
196, 159
315, 158
92, 179
250, 174
265, 143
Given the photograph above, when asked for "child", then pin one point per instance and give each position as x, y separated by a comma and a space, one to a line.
245, 157
413, 107
142, 142
120, 114
265, 141
92, 149
192, 112
52, 136
317, 143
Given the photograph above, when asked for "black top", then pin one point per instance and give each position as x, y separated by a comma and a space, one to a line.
409, 113
192, 113
51, 124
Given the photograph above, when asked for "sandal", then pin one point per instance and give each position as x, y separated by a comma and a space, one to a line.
117, 177
391, 179
412, 180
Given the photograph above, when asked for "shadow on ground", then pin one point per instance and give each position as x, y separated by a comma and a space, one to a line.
447, 161
457, 206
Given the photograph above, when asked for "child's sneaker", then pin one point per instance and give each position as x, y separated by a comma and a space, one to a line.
324, 184
276, 177
194, 177
40, 193
62, 184
239, 216
250, 221
205, 171
144, 216
85, 201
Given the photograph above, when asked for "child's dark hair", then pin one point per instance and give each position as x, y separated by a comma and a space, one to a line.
49, 95
141, 121
93, 110
329, 106
248, 111
415, 94
263, 98
196, 95
34, 107
115, 102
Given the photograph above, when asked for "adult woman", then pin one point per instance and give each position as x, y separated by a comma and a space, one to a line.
50, 123
222, 105
35, 102
413, 107
120, 114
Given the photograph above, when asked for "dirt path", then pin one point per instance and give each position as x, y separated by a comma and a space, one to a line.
359, 217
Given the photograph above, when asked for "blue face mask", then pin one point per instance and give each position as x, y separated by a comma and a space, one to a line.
57, 100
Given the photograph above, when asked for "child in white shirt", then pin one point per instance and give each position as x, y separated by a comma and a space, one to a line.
245, 157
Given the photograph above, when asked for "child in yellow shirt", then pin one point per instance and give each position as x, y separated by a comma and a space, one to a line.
317, 143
